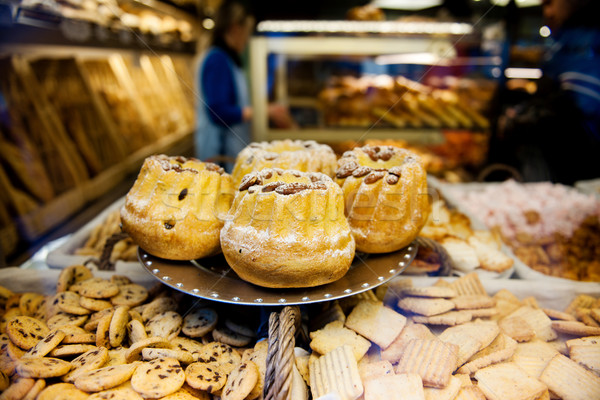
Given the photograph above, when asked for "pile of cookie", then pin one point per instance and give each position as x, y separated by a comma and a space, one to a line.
452, 340
124, 249
470, 249
113, 339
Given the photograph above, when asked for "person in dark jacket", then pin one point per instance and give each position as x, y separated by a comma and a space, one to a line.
555, 134
223, 110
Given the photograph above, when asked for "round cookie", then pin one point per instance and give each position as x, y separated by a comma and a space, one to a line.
105, 378
96, 317
62, 319
287, 229
29, 303
66, 350
118, 325
239, 328
225, 335
199, 322
175, 208
97, 288
209, 377
68, 302
220, 353
103, 331
191, 346
166, 324
77, 335
35, 390
51, 307
88, 361
158, 378
26, 332
4, 381
46, 345
94, 304
183, 357
72, 275
130, 295
62, 391
135, 350
42, 367
18, 389
120, 280
385, 191
136, 331
118, 393
157, 306
14, 301
241, 381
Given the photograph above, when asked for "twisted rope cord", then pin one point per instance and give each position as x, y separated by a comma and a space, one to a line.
285, 354
273, 341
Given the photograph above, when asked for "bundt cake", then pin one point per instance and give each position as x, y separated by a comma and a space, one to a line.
306, 156
176, 207
287, 229
385, 194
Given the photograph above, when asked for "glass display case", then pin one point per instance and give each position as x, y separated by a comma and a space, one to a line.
361, 80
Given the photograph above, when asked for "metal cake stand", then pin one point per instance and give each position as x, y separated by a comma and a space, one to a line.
213, 279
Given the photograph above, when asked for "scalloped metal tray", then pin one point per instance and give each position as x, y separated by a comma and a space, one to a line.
213, 279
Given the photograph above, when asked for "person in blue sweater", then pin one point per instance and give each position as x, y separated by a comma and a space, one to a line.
223, 110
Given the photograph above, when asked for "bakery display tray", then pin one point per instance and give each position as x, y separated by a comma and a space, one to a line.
64, 255
438, 188
522, 270
213, 279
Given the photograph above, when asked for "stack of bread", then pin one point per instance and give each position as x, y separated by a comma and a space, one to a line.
397, 101
281, 221
470, 249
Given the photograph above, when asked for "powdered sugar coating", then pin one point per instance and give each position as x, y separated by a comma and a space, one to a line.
296, 239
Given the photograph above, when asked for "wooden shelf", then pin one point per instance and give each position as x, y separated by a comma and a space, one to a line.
420, 136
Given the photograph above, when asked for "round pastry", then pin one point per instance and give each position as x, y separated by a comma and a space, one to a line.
385, 193
287, 229
306, 156
176, 207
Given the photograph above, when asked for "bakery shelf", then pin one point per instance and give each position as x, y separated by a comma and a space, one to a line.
79, 162
62, 25
295, 63
422, 136
35, 224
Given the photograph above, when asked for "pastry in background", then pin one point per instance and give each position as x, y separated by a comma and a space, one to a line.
305, 156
